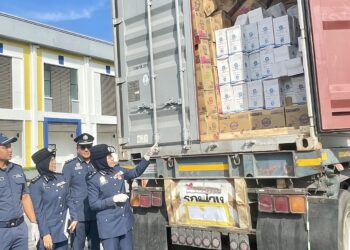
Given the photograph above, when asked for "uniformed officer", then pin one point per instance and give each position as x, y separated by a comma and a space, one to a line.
107, 196
76, 171
50, 195
14, 198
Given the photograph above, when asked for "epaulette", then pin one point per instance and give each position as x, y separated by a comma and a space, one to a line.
91, 174
69, 161
35, 179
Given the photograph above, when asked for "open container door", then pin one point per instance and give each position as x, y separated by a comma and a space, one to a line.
330, 22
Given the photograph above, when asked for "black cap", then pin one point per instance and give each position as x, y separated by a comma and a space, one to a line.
5, 140
84, 139
43, 154
101, 150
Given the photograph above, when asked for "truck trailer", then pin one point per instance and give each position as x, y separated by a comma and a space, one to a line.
249, 179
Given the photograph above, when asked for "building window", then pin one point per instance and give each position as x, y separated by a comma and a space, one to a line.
61, 89
47, 80
73, 84
108, 96
5, 82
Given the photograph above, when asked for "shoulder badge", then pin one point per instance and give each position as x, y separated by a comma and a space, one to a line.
69, 161
35, 179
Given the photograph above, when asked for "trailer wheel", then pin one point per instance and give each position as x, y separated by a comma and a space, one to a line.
344, 220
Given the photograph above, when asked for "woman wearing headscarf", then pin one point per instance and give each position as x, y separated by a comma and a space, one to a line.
107, 196
51, 200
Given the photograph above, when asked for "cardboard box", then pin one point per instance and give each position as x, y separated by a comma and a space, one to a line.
273, 94
297, 116
240, 97
221, 43
199, 25
212, 52
235, 39
229, 6
223, 71
204, 77
219, 20
247, 6
209, 127
235, 122
227, 98
226, 92
294, 66
202, 52
251, 35
277, 10
294, 88
267, 59
209, 6
239, 67
267, 119
218, 98
256, 15
206, 102
284, 30
279, 69
284, 53
242, 20
197, 5
266, 35
255, 95
255, 66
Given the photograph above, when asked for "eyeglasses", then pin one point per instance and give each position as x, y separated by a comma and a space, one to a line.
83, 147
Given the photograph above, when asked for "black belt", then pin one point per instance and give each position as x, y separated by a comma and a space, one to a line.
12, 223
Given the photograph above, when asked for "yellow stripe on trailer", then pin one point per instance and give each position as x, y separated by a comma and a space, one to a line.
203, 167
343, 154
311, 162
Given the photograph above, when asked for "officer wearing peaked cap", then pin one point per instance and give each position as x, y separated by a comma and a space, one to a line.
14, 198
107, 196
51, 200
76, 171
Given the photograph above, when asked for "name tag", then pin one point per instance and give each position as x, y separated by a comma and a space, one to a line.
17, 176
61, 184
103, 180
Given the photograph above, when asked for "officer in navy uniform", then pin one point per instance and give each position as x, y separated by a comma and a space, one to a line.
14, 198
50, 194
75, 172
106, 187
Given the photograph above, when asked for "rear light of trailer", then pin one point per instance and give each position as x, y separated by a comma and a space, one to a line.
157, 199
145, 200
265, 203
297, 204
135, 199
281, 204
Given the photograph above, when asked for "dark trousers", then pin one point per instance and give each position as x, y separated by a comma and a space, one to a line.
56, 246
86, 229
14, 238
123, 242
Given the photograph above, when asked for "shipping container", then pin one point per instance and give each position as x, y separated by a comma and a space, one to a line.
272, 179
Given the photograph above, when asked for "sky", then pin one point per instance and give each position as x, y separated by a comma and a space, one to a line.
88, 17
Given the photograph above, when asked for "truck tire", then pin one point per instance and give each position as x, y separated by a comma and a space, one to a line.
344, 220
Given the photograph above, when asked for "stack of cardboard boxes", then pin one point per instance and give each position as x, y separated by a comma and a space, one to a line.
208, 16
248, 76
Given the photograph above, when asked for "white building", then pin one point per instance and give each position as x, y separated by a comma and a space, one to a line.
54, 84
